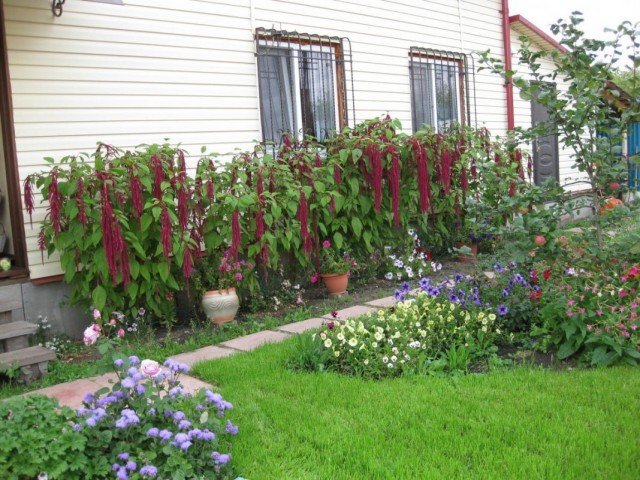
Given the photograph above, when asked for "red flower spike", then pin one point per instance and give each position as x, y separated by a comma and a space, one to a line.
55, 203
446, 162
187, 263
183, 208
29, 202
424, 185
464, 180
136, 194
42, 243
158, 176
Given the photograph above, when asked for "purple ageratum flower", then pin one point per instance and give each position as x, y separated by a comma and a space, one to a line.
91, 421
502, 309
148, 471
76, 427
106, 400
123, 456
165, 435
133, 360
200, 407
118, 363
184, 424
185, 445
177, 416
88, 398
83, 411
131, 466
207, 436
195, 433
176, 366
115, 467
152, 411
176, 392
122, 474
132, 371
140, 389
220, 458
153, 432
128, 382
231, 429
213, 397
181, 438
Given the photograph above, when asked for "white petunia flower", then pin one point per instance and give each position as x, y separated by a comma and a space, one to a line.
388, 276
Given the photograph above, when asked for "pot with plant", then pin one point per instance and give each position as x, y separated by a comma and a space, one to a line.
219, 299
335, 269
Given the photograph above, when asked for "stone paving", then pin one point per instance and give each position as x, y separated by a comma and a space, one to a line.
71, 393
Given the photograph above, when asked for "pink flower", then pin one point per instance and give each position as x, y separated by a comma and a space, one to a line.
581, 310
599, 312
625, 333
326, 244
570, 302
96, 313
150, 368
299, 301
90, 336
334, 314
623, 293
96, 328
112, 322
315, 277
121, 333
634, 326
330, 325
590, 326
569, 313
238, 277
598, 331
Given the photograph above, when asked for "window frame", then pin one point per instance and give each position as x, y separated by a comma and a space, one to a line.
465, 82
340, 54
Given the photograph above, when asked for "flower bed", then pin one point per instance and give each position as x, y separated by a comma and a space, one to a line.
409, 338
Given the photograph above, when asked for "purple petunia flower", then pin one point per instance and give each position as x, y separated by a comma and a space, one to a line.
148, 471
453, 298
424, 283
505, 293
499, 268
405, 287
400, 296
502, 309
457, 277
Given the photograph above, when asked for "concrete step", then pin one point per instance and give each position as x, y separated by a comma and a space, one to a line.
32, 362
15, 335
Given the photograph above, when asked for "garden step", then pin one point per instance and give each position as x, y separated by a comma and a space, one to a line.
255, 340
351, 312
15, 335
32, 361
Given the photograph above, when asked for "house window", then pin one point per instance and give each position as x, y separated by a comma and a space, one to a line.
442, 84
302, 84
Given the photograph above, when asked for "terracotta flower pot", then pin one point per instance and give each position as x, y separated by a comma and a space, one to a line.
336, 283
220, 306
470, 257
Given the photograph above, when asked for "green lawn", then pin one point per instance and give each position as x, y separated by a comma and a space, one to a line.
521, 423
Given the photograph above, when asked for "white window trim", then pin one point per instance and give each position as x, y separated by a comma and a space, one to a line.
432, 75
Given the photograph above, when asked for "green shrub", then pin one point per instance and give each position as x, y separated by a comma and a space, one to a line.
36, 435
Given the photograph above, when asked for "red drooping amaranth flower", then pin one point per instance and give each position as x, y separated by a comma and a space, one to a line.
136, 194
272, 180
424, 183
236, 234
158, 176
55, 202
473, 168
183, 207
498, 160
446, 162
112, 238
79, 196
165, 223
517, 157
42, 243
394, 183
375, 162
303, 216
464, 180
529, 167
29, 203
182, 165
318, 161
187, 263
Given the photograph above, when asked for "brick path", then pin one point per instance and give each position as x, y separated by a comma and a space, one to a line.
71, 393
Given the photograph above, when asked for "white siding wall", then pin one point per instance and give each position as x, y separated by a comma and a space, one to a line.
185, 70
522, 112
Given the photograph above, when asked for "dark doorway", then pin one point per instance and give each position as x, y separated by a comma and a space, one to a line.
545, 148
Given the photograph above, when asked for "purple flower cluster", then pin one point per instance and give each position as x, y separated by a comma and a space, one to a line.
128, 417
401, 294
220, 404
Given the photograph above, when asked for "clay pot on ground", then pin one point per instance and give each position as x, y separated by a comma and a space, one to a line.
220, 306
336, 283
468, 257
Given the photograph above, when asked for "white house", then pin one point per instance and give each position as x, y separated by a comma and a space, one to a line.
227, 73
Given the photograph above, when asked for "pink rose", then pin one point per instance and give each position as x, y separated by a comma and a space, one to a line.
150, 367
121, 333
90, 336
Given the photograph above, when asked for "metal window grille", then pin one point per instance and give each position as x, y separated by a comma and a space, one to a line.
305, 84
442, 88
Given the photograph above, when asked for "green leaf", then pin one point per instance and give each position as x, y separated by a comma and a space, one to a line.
338, 239
356, 224
163, 271
99, 297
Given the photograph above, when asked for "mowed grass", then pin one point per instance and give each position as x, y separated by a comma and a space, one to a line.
513, 424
